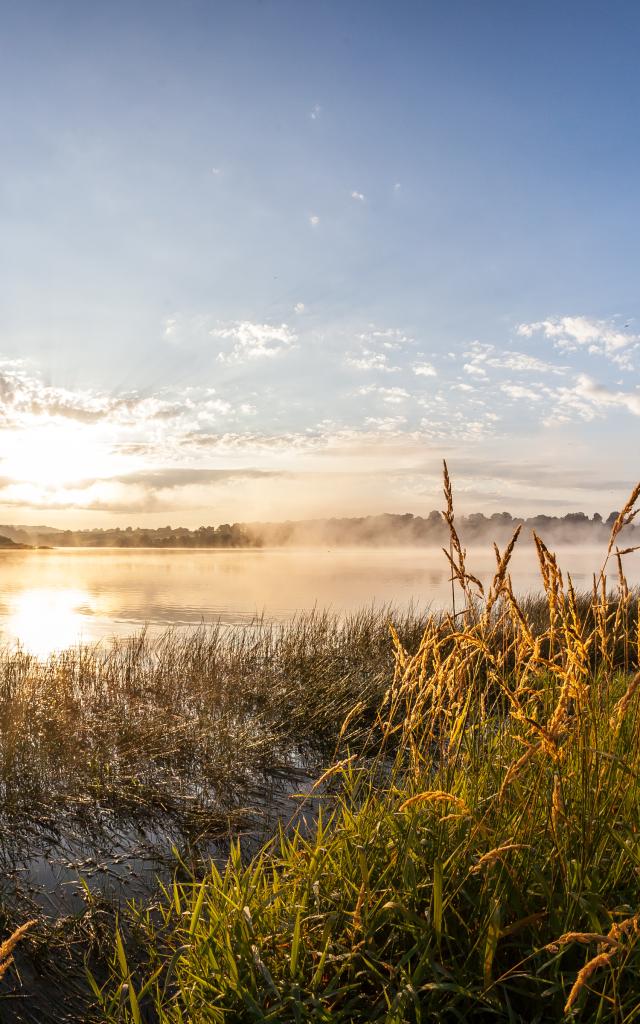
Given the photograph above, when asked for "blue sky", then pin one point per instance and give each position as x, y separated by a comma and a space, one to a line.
268, 259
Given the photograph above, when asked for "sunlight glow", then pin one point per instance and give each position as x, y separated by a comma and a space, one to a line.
55, 454
46, 620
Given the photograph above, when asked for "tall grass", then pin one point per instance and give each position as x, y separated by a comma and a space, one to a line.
476, 855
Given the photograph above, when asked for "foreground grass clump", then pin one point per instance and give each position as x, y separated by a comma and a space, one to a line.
476, 858
111, 755
183, 724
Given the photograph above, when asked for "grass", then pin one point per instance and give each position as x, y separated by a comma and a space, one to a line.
471, 852
476, 855
110, 756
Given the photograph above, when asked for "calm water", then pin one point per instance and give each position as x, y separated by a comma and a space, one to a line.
54, 599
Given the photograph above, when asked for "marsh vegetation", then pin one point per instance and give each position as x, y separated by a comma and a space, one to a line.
465, 844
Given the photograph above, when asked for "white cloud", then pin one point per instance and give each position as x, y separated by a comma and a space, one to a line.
386, 424
375, 345
369, 360
216, 171
391, 338
459, 427
314, 220
481, 356
358, 196
519, 391
316, 110
598, 337
392, 396
602, 397
425, 369
474, 370
299, 307
254, 341
397, 186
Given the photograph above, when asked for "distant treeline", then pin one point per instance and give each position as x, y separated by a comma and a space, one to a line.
367, 531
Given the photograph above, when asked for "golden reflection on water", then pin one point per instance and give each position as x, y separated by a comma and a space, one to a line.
53, 599
42, 620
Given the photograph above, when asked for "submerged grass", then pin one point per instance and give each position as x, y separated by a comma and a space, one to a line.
476, 855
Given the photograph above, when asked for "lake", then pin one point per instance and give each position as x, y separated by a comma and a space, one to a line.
55, 599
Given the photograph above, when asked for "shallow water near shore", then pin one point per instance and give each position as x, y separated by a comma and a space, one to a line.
51, 600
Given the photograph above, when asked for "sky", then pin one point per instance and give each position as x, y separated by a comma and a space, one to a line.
263, 259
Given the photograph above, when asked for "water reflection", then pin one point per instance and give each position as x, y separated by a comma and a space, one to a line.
55, 599
42, 621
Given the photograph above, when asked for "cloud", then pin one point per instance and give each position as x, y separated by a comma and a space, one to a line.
393, 396
425, 369
27, 404
253, 341
316, 110
587, 400
169, 478
386, 424
598, 337
375, 345
519, 391
459, 427
397, 186
368, 360
299, 307
481, 356
474, 369
391, 338
314, 220
358, 196
602, 397
216, 171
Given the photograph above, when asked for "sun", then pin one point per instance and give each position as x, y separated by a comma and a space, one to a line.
55, 455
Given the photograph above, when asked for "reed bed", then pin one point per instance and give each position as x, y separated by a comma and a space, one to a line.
476, 852
111, 755
160, 723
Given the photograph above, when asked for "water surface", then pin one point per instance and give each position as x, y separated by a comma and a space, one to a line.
54, 599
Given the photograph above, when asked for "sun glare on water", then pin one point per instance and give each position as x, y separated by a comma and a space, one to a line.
46, 620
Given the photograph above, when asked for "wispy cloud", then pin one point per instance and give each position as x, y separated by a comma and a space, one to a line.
374, 347
314, 220
598, 337
392, 396
251, 341
481, 357
358, 196
391, 338
368, 360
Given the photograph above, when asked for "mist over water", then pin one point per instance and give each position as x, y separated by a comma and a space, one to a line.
55, 599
